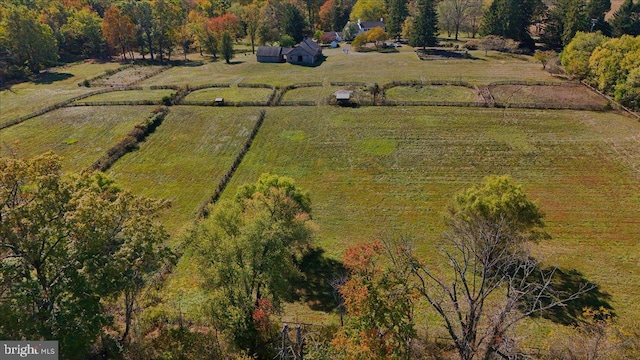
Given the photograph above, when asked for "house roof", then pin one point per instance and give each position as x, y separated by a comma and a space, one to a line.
269, 51
310, 47
371, 24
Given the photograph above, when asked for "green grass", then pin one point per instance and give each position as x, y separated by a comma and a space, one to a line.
80, 135
432, 93
185, 157
361, 67
396, 169
129, 95
233, 93
320, 94
60, 84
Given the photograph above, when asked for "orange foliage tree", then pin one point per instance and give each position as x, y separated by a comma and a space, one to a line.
380, 305
118, 30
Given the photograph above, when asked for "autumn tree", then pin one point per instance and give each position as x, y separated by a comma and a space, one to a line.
167, 16
249, 249
380, 306
67, 246
544, 57
368, 10
612, 62
119, 30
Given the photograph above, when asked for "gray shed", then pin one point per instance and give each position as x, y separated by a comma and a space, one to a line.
307, 52
270, 54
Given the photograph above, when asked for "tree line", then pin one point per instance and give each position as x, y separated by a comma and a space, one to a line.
37, 34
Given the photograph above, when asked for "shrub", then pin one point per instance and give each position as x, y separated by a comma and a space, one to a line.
471, 45
359, 42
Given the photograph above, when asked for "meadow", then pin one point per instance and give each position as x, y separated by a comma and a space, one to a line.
372, 169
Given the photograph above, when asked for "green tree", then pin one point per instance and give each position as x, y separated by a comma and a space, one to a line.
83, 34
512, 19
612, 61
397, 13
575, 56
250, 247
251, 17
226, 46
28, 42
67, 245
626, 20
425, 24
456, 12
167, 16
292, 22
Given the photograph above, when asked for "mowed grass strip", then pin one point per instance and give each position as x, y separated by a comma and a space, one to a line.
129, 95
543, 94
183, 160
57, 85
360, 67
439, 93
80, 135
396, 169
321, 94
233, 93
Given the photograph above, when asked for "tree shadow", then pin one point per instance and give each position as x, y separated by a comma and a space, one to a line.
314, 286
566, 282
237, 62
51, 77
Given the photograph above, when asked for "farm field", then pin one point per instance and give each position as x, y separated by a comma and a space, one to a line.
541, 94
233, 93
398, 168
339, 66
183, 160
60, 84
432, 93
129, 95
79, 134
126, 76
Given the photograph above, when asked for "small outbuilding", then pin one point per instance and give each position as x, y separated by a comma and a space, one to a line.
343, 97
270, 54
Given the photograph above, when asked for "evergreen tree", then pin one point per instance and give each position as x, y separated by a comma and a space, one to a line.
397, 13
425, 24
226, 46
512, 19
293, 23
626, 20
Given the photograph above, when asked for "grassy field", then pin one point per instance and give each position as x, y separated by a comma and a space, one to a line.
399, 168
540, 94
361, 67
129, 95
58, 85
79, 134
184, 158
432, 93
320, 94
233, 93
126, 76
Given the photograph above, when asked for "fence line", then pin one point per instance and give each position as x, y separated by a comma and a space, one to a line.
535, 83
226, 178
612, 101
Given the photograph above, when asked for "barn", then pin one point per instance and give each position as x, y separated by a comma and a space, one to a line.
307, 52
270, 54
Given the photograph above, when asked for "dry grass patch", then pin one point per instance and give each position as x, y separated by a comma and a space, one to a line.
127, 76
234, 93
129, 95
440, 93
543, 94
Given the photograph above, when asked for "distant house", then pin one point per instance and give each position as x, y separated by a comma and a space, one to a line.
270, 54
307, 52
364, 26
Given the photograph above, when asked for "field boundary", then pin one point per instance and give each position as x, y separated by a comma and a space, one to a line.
131, 140
612, 101
62, 104
226, 178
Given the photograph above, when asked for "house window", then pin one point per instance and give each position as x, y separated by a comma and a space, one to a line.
299, 58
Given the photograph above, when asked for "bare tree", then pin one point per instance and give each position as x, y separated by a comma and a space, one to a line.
492, 282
